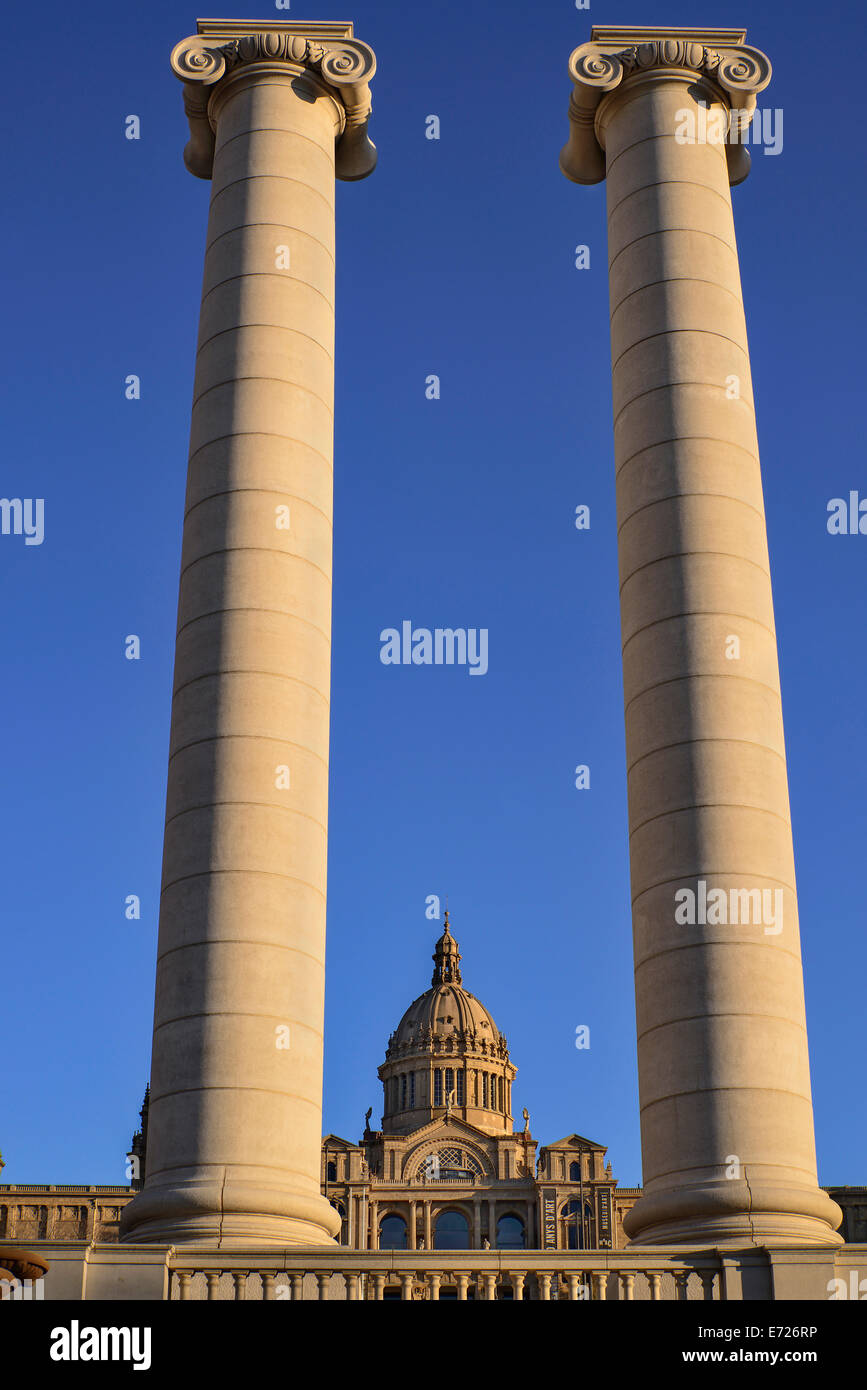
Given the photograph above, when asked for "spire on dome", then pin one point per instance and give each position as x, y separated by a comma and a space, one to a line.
446, 958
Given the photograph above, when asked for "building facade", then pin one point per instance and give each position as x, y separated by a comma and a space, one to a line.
445, 1170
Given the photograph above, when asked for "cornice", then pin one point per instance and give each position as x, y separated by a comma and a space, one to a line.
327, 54
617, 60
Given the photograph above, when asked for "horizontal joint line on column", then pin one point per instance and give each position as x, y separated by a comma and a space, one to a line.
266, 492
242, 1090
255, 873
710, 1090
276, 675
257, 376
295, 231
674, 280
666, 135
784, 1168
697, 613
257, 805
686, 439
709, 873
688, 742
733, 945
243, 608
708, 806
284, 178
235, 1013
669, 333
256, 550
259, 738
241, 941
268, 275
676, 386
666, 231
276, 130
662, 183
676, 496
722, 1013
278, 327
690, 554
262, 434
704, 675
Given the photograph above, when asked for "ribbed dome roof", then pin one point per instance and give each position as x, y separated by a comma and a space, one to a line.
446, 1010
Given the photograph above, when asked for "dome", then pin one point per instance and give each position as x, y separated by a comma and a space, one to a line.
446, 1011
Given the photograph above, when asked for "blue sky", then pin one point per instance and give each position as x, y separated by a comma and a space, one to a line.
455, 258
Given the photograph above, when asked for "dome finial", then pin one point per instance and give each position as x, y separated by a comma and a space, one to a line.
446, 957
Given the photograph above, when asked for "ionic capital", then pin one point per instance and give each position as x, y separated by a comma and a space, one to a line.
335, 61
619, 59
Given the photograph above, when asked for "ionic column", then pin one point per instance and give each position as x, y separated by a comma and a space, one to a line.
726, 1110
236, 1083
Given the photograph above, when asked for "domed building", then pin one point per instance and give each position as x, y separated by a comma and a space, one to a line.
447, 1170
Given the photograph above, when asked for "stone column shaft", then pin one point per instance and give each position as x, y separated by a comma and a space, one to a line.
236, 1086
726, 1109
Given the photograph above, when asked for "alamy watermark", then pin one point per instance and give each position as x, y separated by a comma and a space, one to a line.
720, 907
713, 125
442, 646
23, 516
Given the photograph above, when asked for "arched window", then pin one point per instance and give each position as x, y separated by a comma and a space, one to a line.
574, 1172
331, 1172
510, 1232
438, 1087
392, 1233
452, 1231
580, 1235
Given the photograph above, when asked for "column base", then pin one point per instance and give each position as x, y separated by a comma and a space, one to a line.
730, 1214
229, 1213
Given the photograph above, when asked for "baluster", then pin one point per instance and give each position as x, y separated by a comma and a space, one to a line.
575, 1278
433, 1283
490, 1285
680, 1282
600, 1284
184, 1276
296, 1284
655, 1282
406, 1281
707, 1282
213, 1277
267, 1277
462, 1281
351, 1281
323, 1279
239, 1277
544, 1286
518, 1285
627, 1283
378, 1285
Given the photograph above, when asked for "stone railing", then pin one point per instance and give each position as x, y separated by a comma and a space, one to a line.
337, 1276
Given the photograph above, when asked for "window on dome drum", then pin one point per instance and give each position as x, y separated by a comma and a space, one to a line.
452, 1231
438, 1087
403, 1092
574, 1172
459, 1098
392, 1233
484, 1090
411, 1089
510, 1233
450, 1080
475, 1088
500, 1091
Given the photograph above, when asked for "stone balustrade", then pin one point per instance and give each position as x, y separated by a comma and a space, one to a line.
444, 1275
